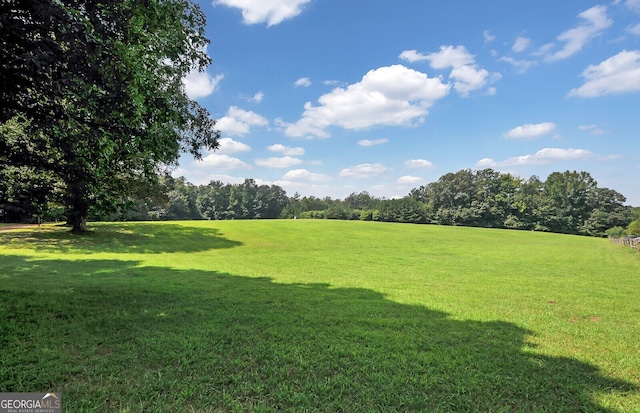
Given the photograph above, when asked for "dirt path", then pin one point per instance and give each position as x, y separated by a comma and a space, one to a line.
16, 226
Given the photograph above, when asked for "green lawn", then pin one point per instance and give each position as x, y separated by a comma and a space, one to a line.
314, 315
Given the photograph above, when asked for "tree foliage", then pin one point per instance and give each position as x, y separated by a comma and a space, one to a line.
95, 89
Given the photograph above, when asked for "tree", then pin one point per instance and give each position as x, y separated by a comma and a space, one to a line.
24, 189
569, 193
213, 200
102, 82
607, 211
634, 228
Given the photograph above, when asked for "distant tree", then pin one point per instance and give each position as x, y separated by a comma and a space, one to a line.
634, 228
569, 194
213, 200
293, 207
406, 209
362, 200
182, 197
607, 211
272, 200
101, 83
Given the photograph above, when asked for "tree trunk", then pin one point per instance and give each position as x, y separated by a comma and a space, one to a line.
78, 218
79, 224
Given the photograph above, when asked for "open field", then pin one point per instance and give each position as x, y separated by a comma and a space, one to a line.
319, 315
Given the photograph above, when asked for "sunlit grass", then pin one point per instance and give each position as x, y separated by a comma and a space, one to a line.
319, 315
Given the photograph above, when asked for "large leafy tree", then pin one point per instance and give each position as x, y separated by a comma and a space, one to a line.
100, 83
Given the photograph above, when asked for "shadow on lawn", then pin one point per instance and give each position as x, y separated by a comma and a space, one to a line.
137, 237
157, 339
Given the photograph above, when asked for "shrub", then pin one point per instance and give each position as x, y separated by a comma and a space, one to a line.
616, 232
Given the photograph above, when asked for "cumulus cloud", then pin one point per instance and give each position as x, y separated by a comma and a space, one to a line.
419, 163
595, 20
286, 150
222, 161
374, 142
408, 179
228, 145
303, 82
276, 163
304, 175
467, 76
271, 12
200, 84
363, 171
530, 130
239, 121
521, 44
618, 74
542, 157
390, 95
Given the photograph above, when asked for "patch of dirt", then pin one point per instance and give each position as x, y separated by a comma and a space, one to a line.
16, 226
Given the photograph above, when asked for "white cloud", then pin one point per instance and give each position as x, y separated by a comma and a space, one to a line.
200, 84
367, 142
542, 157
217, 162
286, 150
284, 162
618, 74
521, 44
304, 175
228, 145
390, 95
448, 56
633, 5
488, 37
408, 179
239, 121
257, 98
593, 129
530, 130
595, 21
468, 78
521, 65
634, 29
465, 72
270, 11
303, 82
364, 171
419, 163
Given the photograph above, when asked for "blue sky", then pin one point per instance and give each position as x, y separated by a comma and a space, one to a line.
330, 97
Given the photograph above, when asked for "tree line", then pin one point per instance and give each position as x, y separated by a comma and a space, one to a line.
566, 202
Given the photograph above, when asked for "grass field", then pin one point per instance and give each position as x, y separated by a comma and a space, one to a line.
306, 315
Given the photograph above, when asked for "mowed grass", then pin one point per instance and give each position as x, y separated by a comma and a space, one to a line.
319, 316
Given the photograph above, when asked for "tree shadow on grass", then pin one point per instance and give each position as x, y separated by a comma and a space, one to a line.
127, 238
158, 339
